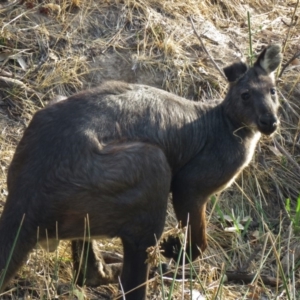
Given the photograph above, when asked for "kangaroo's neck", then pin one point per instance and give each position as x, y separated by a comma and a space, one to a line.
239, 141
189, 131
212, 128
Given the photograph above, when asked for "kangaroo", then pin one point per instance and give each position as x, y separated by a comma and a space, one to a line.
103, 162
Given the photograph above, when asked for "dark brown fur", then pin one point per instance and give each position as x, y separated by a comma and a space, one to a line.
106, 159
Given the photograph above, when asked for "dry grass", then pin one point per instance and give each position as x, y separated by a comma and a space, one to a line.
52, 49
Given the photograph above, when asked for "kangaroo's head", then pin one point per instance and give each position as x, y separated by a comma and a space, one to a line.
251, 101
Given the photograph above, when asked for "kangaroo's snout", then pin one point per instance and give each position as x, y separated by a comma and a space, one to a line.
268, 123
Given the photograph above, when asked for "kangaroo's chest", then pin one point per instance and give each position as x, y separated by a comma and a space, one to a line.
250, 149
233, 165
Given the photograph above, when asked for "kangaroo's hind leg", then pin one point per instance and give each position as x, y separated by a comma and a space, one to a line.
145, 216
133, 188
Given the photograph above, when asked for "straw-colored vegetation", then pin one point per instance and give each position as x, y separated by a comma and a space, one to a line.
50, 49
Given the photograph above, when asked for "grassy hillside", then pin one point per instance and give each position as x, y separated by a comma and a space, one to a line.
52, 49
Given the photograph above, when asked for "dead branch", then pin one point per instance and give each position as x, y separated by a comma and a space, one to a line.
248, 278
205, 50
288, 155
296, 55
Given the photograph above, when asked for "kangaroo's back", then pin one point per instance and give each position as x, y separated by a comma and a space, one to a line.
112, 112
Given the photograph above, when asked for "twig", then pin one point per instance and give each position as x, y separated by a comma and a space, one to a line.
248, 278
286, 102
202, 44
288, 155
296, 55
44, 50
288, 34
5, 7
10, 83
231, 276
6, 82
246, 266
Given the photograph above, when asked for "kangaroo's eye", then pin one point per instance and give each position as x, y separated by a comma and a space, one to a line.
245, 95
273, 91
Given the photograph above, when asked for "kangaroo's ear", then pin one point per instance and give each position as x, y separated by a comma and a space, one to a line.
235, 71
270, 58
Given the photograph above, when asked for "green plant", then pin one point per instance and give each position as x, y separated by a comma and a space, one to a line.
2, 275
294, 215
251, 56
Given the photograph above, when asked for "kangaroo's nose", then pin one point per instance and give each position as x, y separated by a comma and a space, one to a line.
268, 123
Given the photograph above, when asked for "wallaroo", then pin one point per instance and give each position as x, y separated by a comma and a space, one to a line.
102, 163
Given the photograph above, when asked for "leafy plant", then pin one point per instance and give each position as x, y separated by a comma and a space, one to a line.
2, 275
294, 215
